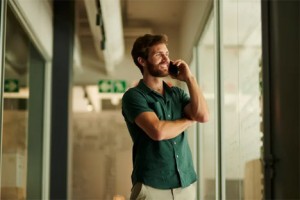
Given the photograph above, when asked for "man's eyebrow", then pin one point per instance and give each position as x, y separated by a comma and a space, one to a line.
160, 52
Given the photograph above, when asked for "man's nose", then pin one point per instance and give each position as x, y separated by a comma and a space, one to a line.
165, 57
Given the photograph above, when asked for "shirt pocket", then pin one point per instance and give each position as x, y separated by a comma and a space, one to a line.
157, 108
177, 110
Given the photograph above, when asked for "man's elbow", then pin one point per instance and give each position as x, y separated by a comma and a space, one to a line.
156, 135
202, 117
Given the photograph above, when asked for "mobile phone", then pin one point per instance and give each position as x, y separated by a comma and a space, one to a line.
173, 69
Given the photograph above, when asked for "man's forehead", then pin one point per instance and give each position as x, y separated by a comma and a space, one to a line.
159, 48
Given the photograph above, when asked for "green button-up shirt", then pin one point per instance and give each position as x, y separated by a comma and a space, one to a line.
160, 164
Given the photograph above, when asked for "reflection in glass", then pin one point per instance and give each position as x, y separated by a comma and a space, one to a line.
15, 114
241, 119
22, 152
208, 131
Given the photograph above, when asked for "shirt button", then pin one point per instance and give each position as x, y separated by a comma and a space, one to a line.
176, 156
174, 142
169, 115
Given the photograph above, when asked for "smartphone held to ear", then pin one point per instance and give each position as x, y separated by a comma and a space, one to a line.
173, 69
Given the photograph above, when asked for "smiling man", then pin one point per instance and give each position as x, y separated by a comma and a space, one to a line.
157, 116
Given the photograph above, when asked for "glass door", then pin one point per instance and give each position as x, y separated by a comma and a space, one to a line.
22, 126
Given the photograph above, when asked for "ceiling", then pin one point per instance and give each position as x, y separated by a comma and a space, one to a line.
123, 20
152, 13
133, 18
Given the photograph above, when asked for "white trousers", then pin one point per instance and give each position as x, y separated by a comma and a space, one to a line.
143, 192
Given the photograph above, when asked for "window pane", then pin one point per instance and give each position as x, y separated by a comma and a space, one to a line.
207, 76
241, 119
22, 152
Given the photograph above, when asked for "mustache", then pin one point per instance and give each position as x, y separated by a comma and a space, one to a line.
167, 63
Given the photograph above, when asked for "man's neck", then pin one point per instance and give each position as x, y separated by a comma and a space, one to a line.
155, 83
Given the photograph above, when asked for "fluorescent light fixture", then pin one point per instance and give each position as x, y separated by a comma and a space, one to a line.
112, 49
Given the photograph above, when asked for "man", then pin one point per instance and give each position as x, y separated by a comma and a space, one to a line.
157, 116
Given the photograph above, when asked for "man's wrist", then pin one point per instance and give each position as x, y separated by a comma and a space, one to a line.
190, 79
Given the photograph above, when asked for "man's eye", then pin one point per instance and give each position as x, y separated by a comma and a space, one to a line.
161, 54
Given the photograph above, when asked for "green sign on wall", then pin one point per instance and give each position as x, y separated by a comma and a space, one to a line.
105, 86
11, 85
119, 86
112, 86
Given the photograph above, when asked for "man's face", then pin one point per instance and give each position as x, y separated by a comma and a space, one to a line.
158, 60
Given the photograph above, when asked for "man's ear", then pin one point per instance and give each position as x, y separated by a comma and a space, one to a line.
141, 61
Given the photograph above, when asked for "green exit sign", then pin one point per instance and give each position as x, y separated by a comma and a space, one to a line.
112, 86
11, 85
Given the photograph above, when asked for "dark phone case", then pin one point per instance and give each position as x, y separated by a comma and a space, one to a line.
173, 69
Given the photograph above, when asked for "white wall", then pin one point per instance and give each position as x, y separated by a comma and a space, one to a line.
36, 16
194, 20
102, 162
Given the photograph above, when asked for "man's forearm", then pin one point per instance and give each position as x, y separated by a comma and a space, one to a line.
197, 108
171, 129
161, 129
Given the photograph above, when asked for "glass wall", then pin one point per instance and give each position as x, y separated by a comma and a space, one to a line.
22, 128
192, 130
236, 83
208, 131
241, 106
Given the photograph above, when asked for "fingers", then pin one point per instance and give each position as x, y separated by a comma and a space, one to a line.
179, 62
184, 70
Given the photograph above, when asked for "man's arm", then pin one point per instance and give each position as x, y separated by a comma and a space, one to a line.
159, 129
196, 109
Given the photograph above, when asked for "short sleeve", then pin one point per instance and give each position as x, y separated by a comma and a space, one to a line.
133, 104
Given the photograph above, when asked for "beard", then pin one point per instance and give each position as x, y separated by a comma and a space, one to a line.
155, 71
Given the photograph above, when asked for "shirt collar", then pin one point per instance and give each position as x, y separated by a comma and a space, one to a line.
147, 90
144, 87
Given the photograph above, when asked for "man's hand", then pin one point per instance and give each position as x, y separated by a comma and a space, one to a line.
184, 71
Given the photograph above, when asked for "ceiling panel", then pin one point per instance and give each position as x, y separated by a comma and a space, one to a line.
153, 12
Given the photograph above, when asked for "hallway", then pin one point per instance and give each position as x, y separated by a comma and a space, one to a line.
65, 66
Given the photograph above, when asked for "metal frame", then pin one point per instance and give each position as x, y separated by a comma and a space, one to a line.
199, 136
220, 179
3, 5
266, 101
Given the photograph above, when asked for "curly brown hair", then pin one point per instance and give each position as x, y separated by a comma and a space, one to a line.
142, 44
